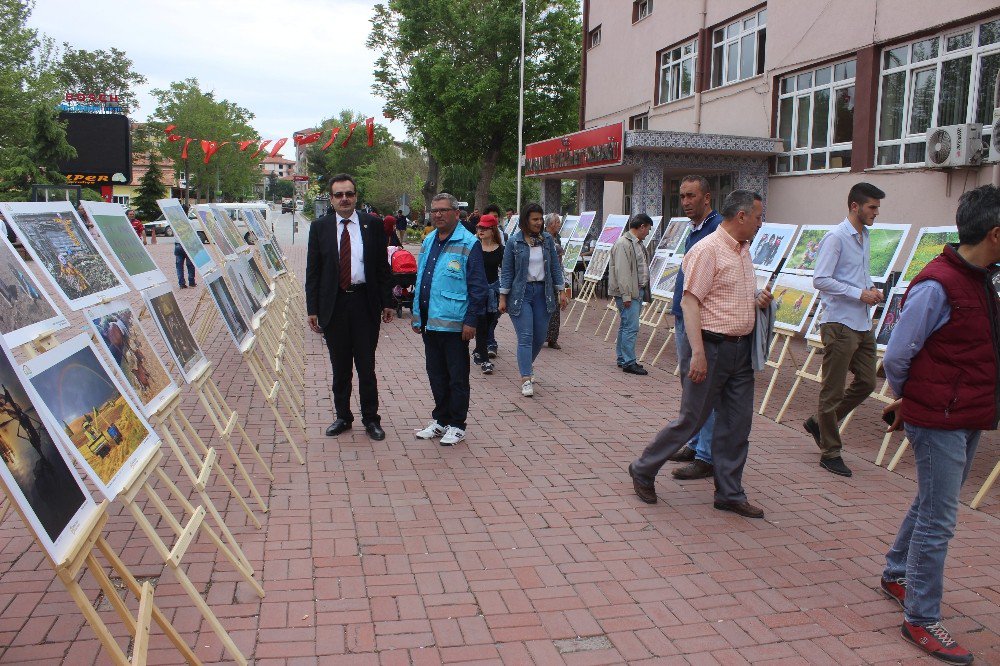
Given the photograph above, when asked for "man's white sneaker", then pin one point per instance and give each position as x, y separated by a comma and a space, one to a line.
453, 436
431, 431
527, 389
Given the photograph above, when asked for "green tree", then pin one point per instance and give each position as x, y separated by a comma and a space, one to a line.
231, 173
281, 189
350, 159
396, 170
449, 69
150, 189
100, 71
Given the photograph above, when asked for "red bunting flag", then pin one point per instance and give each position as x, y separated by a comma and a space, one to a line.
210, 148
333, 136
305, 139
174, 138
370, 128
169, 128
277, 147
263, 145
244, 145
184, 151
349, 135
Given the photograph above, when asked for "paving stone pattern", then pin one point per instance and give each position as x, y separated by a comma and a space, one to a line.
525, 544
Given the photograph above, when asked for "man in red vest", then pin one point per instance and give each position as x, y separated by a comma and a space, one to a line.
942, 360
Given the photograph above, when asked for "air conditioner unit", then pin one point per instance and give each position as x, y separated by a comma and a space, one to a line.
995, 140
954, 145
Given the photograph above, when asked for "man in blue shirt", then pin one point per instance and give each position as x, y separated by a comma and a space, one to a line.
451, 295
696, 201
843, 279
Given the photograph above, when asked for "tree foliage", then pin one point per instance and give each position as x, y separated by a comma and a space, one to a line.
100, 71
199, 115
393, 172
150, 189
350, 159
449, 70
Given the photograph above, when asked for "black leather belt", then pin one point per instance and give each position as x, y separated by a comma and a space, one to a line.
354, 288
711, 336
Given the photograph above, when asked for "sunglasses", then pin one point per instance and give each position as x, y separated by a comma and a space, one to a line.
440, 211
341, 195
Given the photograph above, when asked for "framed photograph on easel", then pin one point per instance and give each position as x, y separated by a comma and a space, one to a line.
26, 310
183, 348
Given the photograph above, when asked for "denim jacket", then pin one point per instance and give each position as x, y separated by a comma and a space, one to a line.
514, 272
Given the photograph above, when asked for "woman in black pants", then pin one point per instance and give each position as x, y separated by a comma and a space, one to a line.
489, 237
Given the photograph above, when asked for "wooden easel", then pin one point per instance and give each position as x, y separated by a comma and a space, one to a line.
663, 347
584, 297
786, 352
271, 388
89, 542
185, 535
611, 309
652, 317
801, 374
990, 480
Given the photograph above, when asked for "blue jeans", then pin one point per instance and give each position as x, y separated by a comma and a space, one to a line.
531, 326
179, 261
628, 330
702, 442
943, 458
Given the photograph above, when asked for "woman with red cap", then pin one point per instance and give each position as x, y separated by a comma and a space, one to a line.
488, 232
389, 224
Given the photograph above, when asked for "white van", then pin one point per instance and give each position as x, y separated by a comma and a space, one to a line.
263, 210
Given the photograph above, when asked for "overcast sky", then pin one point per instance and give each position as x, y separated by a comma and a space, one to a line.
291, 63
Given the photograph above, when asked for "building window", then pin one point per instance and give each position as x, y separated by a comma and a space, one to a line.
122, 199
641, 9
627, 199
677, 71
947, 79
738, 49
639, 122
816, 118
594, 37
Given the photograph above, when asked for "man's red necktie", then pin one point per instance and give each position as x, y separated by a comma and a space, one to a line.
345, 258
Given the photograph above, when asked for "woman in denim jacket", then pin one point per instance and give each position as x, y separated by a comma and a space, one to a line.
530, 278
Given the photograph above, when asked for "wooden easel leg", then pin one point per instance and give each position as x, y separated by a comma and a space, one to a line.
882, 449
611, 325
215, 397
270, 396
990, 480
795, 386
774, 375
663, 348
597, 331
905, 444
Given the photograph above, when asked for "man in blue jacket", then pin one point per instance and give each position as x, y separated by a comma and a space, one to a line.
451, 293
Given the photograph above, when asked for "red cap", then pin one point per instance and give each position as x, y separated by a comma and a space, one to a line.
487, 221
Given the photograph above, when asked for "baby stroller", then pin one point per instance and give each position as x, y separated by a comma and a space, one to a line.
404, 277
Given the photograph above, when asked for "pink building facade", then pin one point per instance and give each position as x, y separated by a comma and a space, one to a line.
796, 100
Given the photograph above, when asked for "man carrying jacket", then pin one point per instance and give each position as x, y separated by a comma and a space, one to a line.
451, 293
942, 362
627, 282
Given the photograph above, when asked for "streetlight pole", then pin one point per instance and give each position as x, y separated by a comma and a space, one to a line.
520, 113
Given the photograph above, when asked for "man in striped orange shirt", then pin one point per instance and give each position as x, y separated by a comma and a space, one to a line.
720, 311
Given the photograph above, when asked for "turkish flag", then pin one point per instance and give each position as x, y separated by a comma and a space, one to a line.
263, 145
370, 127
184, 151
333, 135
244, 145
169, 128
277, 146
349, 135
304, 139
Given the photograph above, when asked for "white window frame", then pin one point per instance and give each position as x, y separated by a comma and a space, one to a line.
670, 79
833, 86
643, 8
721, 47
594, 38
122, 199
640, 119
974, 51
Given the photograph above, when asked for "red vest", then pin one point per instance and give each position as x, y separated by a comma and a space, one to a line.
952, 383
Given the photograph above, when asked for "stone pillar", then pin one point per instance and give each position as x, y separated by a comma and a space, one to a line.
551, 195
752, 175
647, 190
592, 198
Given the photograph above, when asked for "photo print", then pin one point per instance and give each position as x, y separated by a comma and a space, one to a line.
802, 259
648, 243
94, 418
569, 225
886, 241
262, 286
274, 263
794, 296
185, 234
255, 223
656, 266
26, 310
214, 230
663, 284
58, 240
571, 255
228, 228
240, 280
512, 224
126, 247
682, 241
586, 221
770, 244
183, 348
598, 264
612, 230
929, 244
889, 318
39, 478
123, 338
235, 323
673, 233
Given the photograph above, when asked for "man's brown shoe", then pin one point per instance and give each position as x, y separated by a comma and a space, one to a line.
745, 509
696, 469
684, 454
643, 490
554, 345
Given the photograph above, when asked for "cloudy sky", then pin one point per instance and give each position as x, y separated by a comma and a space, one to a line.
291, 63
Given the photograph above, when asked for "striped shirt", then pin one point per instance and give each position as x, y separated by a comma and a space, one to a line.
719, 273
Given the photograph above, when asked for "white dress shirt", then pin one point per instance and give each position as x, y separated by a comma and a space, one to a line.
357, 247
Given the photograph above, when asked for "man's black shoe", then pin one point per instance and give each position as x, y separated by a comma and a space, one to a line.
812, 428
644, 490
635, 369
696, 469
684, 454
337, 427
835, 465
745, 509
375, 431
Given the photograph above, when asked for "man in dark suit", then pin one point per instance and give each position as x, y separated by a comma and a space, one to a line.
348, 289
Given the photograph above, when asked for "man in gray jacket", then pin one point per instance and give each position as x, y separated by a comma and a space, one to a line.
627, 282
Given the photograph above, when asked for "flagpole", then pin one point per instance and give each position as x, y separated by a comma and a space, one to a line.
520, 115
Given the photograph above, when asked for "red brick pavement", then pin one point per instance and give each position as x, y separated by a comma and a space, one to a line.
525, 544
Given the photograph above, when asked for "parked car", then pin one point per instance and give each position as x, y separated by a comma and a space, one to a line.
163, 227
286, 204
